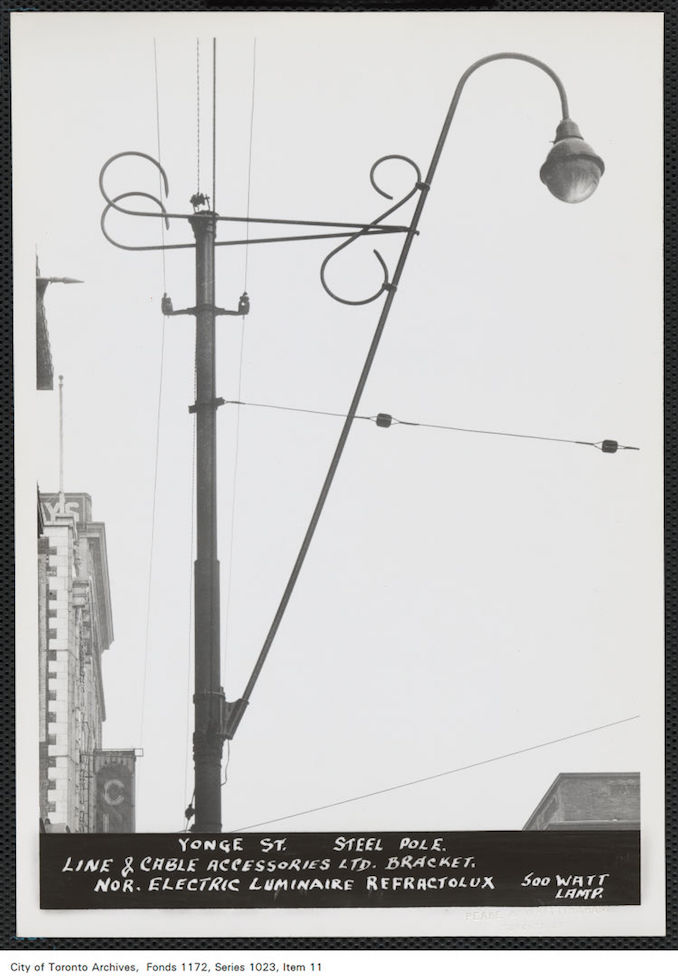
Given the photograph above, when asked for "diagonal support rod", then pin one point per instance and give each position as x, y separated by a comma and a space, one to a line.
423, 188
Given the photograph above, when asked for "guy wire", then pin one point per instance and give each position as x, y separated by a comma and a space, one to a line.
191, 596
414, 423
249, 164
234, 487
447, 772
234, 495
160, 186
197, 113
157, 438
214, 124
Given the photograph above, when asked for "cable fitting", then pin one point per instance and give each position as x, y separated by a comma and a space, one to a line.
205, 404
611, 447
199, 202
383, 420
224, 716
242, 309
231, 716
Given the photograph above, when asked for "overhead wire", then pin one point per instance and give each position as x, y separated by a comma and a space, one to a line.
197, 114
214, 124
228, 762
234, 499
188, 812
434, 776
191, 604
236, 453
157, 434
276, 406
249, 163
386, 420
160, 186
191, 599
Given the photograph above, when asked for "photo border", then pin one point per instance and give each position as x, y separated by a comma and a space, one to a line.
8, 879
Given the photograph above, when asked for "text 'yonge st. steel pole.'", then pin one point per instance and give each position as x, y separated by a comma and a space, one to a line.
571, 172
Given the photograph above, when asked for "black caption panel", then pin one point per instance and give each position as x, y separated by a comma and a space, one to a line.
332, 870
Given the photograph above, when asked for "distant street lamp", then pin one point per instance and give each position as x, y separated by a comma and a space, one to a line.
571, 172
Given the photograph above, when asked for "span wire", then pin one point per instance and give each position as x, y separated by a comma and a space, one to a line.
147, 635
428, 779
234, 484
386, 420
197, 114
214, 124
191, 604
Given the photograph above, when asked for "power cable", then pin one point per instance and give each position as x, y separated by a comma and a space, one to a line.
214, 124
189, 661
428, 779
157, 437
387, 420
234, 493
197, 114
249, 164
234, 485
275, 406
228, 762
160, 186
189, 812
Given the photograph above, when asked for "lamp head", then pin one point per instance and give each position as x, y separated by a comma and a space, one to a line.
572, 170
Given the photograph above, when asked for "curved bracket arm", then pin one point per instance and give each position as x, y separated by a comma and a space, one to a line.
372, 351
425, 185
112, 202
112, 205
501, 56
385, 284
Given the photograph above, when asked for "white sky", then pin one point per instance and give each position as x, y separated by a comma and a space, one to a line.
465, 596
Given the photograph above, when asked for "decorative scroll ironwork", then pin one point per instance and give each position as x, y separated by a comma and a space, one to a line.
372, 227
113, 203
334, 229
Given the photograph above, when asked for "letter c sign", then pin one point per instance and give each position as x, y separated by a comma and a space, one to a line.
114, 792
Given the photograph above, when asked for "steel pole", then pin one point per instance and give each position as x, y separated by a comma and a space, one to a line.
208, 738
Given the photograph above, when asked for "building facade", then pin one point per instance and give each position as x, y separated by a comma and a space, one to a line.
75, 629
589, 801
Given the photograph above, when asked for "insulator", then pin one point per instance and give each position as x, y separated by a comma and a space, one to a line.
384, 420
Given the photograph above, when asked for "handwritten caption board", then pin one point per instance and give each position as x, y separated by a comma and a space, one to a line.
332, 870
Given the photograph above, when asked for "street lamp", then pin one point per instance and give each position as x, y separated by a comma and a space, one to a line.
571, 172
